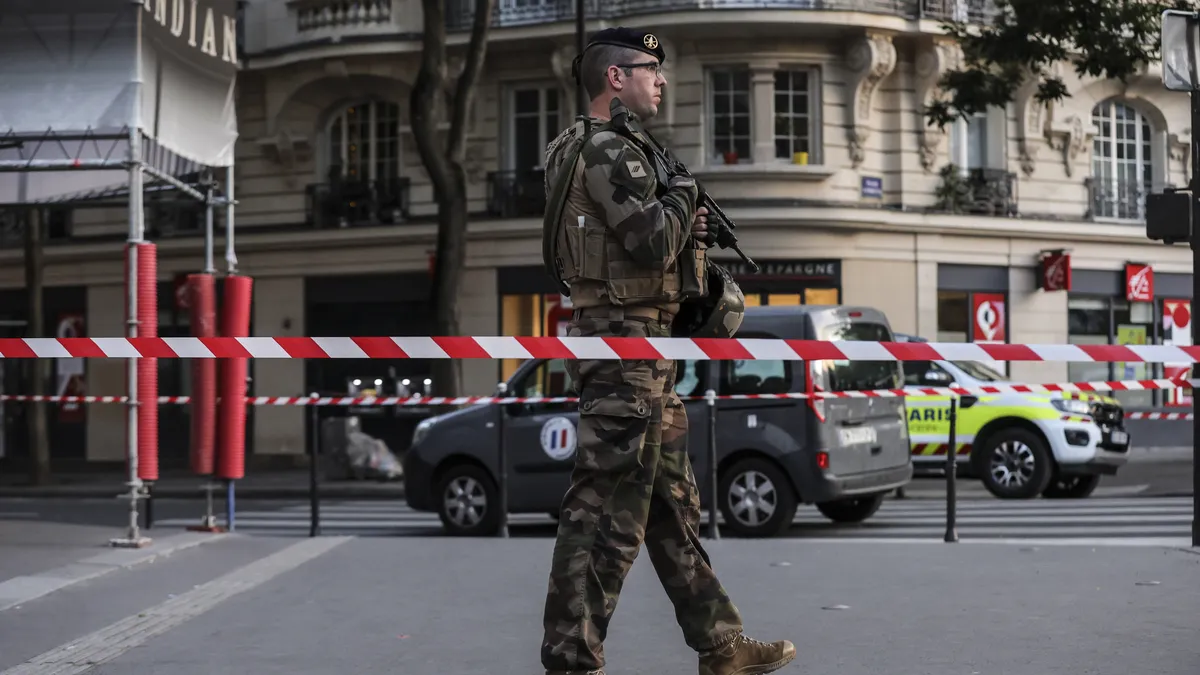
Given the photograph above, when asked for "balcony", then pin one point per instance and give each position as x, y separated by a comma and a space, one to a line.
1123, 201
315, 15
516, 194
509, 13
270, 27
356, 203
986, 192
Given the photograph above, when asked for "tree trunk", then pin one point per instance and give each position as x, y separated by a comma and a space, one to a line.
39, 441
444, 165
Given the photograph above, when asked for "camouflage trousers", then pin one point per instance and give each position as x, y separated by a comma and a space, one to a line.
632, 483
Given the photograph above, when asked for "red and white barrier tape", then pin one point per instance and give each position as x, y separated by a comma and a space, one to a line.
1067, 387
1158, 416
607, 348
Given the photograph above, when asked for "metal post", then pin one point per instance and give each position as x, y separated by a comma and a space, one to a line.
133, 538
951, 475
1194, 186
710, 397
502, 460
209, 267
229, 506
149, 506
230, 257
314, 497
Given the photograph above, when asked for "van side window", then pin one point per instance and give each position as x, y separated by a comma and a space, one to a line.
687, 378
755, 377
925, 374
549, 378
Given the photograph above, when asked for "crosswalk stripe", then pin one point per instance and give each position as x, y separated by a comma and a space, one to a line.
1128, 520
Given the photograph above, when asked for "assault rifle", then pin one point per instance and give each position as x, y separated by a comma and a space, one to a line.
667, 167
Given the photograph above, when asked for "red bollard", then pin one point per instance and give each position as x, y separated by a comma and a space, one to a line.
235, 322
202, 289
147, 368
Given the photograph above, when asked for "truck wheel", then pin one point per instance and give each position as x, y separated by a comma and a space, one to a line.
1014, 463
851, 510
467, 500
756, 498
1072, 487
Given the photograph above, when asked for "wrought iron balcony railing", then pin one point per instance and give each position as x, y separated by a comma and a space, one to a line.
316, 14
1109, 200
989, 192
516, 194
524, 12
350, 203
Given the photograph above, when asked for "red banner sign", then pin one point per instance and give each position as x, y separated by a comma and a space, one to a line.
1139, 283
1055, 272
987, 318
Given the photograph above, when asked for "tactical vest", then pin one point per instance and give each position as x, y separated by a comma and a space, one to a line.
580, 251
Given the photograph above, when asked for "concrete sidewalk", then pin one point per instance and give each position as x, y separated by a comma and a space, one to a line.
425, 606
39, 558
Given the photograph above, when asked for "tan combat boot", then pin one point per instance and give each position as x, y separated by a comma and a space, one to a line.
747, 656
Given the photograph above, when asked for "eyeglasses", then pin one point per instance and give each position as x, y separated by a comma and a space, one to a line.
651, 65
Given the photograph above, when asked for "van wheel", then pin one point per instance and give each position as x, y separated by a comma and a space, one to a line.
467, 500
1072, 487
756, 498
851, 510
1013, 463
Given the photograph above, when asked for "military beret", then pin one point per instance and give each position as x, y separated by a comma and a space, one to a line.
631, 38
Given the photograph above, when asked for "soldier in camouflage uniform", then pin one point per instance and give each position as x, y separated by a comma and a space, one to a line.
619, 255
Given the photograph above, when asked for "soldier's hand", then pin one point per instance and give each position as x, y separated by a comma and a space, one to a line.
700, 224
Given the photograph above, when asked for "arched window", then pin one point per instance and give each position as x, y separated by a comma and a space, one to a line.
1122, 166
364, 142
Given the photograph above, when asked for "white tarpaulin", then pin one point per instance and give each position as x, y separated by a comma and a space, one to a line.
71, 70
189, 70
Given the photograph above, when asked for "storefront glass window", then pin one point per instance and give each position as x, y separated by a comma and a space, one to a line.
1103, 321
806, 296
523, 315
952, 317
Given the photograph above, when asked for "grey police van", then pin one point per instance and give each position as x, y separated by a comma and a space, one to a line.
842, 455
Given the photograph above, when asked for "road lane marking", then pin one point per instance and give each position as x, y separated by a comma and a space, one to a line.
106, 644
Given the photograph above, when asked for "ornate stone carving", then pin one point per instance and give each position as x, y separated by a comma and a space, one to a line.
287, 149
933, 62
1180, 147
1030, 124
1071, 136
870, 60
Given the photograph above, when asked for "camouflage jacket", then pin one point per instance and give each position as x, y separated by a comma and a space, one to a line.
627, 251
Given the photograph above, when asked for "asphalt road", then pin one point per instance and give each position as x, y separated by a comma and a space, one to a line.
473, 607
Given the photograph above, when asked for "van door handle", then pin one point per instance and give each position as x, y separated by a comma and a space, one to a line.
852, 423
876, 449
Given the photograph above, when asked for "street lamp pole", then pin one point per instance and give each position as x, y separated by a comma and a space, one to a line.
1171, 216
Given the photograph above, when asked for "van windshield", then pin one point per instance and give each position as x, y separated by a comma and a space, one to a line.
859, 375
979, 371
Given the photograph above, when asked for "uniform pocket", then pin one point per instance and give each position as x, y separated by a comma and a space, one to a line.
612, 432
573, 255
593, 260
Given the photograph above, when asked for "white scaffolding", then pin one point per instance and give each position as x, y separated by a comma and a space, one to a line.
105, 100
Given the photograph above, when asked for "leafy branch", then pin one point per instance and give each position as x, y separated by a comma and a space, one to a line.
1105, 39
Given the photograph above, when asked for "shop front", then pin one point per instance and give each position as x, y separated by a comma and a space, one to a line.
972, 306
1130, 306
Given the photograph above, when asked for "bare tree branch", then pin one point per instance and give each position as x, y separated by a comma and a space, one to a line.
465, 91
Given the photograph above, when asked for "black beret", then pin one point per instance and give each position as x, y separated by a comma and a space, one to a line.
631, 38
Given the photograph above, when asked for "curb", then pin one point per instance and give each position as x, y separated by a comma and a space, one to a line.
18, 590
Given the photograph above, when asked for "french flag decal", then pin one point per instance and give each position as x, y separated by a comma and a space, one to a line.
558, 438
